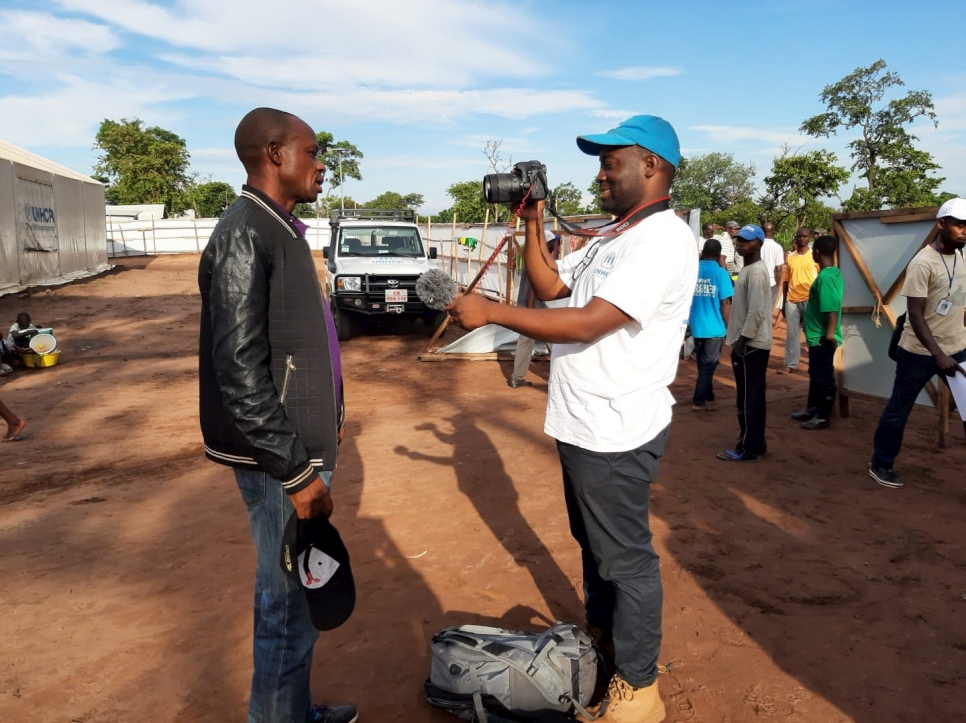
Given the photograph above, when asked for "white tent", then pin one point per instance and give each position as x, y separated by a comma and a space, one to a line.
52, 223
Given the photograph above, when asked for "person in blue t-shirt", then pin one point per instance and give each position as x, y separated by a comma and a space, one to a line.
709, 321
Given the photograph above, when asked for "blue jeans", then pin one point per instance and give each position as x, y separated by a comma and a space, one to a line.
912, 373
284, 634
707, 352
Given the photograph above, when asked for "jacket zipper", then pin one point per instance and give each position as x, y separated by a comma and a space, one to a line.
289, 368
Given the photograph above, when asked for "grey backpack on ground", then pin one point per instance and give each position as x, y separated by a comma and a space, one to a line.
487, 674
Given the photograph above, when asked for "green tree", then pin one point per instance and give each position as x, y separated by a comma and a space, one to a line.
341, 159
211, 198
468, 203
712, 182
324, 207
143, 165
390, 200
568, 199
895, 171
594, 206
796, 184
745, 210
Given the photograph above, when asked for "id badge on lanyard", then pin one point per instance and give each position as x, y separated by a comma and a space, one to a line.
944, 305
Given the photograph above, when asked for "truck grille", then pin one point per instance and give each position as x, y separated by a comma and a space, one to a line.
378, 284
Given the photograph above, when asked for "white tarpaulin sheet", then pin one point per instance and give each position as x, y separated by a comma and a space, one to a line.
489, 338
35, 214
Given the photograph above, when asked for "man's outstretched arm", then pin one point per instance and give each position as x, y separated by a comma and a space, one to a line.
584, 325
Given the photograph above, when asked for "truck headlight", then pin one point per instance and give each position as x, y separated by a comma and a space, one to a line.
349, 283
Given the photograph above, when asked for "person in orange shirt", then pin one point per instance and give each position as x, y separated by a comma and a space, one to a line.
797, 277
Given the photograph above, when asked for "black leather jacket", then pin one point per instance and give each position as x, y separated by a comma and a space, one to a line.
268, 396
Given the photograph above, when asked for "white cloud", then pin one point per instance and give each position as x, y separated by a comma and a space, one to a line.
421, 162
613, 114
328, 44
71, 114
640, 73
727, 135
947, 142
436, 106
39, 35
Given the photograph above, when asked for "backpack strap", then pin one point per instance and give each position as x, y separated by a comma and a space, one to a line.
532, 671
478, 698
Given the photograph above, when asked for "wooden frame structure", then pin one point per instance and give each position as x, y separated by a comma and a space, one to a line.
903, 232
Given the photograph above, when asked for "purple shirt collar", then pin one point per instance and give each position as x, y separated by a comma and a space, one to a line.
296, 222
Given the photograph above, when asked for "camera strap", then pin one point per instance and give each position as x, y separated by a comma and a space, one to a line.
631, 220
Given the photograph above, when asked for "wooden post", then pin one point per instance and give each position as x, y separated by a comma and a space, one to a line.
479, 260
470, 288
511, 266
452, 248
943, 410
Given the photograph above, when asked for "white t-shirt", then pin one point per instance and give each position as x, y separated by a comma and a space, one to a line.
773, 255
612, 396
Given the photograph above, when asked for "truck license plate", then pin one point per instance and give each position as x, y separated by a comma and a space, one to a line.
397, 295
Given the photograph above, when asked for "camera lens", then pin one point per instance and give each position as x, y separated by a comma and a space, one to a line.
501, 187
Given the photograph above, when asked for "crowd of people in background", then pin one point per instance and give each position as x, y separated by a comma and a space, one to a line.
932, 341
739, 314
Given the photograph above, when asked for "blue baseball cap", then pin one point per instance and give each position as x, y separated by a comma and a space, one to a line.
751, 233
647, 131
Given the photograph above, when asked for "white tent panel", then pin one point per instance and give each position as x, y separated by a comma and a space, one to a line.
489, 338
95, 227
71, 234
886, 247
9, 257
52, 225
39, 260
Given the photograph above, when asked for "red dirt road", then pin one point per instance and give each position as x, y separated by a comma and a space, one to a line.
795, 588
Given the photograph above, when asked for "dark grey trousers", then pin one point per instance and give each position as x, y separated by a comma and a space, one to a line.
608, 501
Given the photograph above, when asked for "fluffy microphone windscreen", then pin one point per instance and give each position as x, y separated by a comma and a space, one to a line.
436, 289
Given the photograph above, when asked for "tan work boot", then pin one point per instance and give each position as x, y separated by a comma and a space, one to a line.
627, 704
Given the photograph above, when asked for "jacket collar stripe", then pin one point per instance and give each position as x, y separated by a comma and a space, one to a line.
272, 211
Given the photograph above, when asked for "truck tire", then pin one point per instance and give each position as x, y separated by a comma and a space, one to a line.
345, 325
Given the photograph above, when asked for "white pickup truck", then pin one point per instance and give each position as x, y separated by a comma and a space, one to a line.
374, 258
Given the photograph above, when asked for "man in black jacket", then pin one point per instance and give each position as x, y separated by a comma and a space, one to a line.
271, 390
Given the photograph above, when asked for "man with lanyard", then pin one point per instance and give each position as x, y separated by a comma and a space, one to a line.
934, 339
614, 355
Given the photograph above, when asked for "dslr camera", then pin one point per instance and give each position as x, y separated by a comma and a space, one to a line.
513, 186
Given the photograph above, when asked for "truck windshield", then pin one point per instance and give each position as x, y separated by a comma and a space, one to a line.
380, 241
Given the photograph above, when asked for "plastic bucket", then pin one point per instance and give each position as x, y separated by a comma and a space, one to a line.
43, 343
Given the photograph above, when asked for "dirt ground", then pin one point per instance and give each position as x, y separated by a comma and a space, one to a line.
795, 588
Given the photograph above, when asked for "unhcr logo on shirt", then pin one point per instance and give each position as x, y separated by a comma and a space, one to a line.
606, 265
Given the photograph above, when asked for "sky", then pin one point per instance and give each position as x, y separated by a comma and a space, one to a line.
420, 86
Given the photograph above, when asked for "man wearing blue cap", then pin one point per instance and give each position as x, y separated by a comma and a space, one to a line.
614, 354
749, 334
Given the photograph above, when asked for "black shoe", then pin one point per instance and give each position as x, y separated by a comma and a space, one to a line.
816, 423
885, 476
517, 383
804, 415
333, 714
